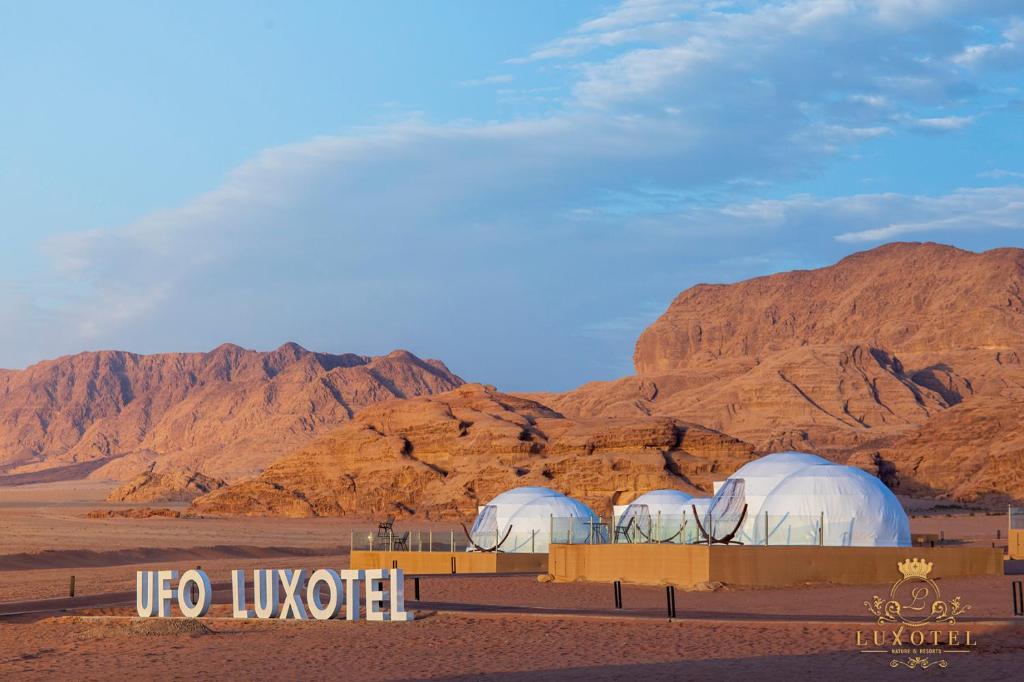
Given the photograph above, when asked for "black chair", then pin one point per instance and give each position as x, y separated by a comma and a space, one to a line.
385, 528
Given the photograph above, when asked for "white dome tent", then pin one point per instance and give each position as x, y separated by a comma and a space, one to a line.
857, 509
524, 519
658, 515
760, 477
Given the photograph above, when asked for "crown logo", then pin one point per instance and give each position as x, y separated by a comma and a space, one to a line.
915, 568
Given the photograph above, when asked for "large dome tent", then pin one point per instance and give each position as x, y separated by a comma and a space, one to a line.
857, 508
523, 519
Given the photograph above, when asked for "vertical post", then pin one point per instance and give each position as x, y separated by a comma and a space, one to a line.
453, 543
657, 528
1018, 598
551, 529
821, 530
495, 538
670, 601
765, 527
590, 531
942, 537
416, 587
453, 565
533, 541
351, 540
617, 587
430, 540
71, 587
370, 536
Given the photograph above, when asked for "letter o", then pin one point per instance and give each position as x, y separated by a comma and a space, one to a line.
196, 609
314, 603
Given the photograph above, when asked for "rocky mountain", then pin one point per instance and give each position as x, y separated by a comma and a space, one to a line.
441, 456
227, 413
890, 355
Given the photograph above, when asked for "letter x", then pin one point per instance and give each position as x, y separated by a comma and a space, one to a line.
293, 583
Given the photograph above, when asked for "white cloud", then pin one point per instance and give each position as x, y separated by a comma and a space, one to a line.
999, 174
941, 123
488, 80
1007, 54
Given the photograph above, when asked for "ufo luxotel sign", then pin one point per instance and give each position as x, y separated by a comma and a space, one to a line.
279, 593
914, 604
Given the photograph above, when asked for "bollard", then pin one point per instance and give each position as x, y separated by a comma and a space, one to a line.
453, 565
416, 588
670, 599
71, 587
618, 594
394, 563
1018, 598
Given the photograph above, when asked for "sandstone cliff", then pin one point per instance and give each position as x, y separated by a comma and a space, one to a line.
441, 456
875, 355
227, 413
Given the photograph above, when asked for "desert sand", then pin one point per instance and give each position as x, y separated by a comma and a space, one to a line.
504, 628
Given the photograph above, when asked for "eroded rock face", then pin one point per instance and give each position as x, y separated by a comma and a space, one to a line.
227, 413
872, 355
973, 452
442, 456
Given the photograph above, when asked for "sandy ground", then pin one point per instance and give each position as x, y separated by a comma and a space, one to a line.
464, 647
499, 628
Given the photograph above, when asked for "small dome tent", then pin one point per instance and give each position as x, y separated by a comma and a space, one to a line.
761, 476
523, 519
657, 515
857, 508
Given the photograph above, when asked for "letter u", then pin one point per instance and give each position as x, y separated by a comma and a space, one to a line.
265, 593
145, 593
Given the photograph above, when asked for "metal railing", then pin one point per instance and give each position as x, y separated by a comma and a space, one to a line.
449, 540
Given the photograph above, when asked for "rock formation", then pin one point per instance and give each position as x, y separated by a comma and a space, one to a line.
443, 455
874, 355
227, 413
170, 486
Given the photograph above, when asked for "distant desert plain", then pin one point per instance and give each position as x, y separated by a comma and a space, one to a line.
905, 361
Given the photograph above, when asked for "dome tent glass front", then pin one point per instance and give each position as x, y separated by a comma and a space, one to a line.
524, 520
655, 516
760, 477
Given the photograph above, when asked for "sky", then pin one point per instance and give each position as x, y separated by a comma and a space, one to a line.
517, 189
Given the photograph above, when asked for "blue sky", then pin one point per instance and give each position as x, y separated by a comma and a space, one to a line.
515, 188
